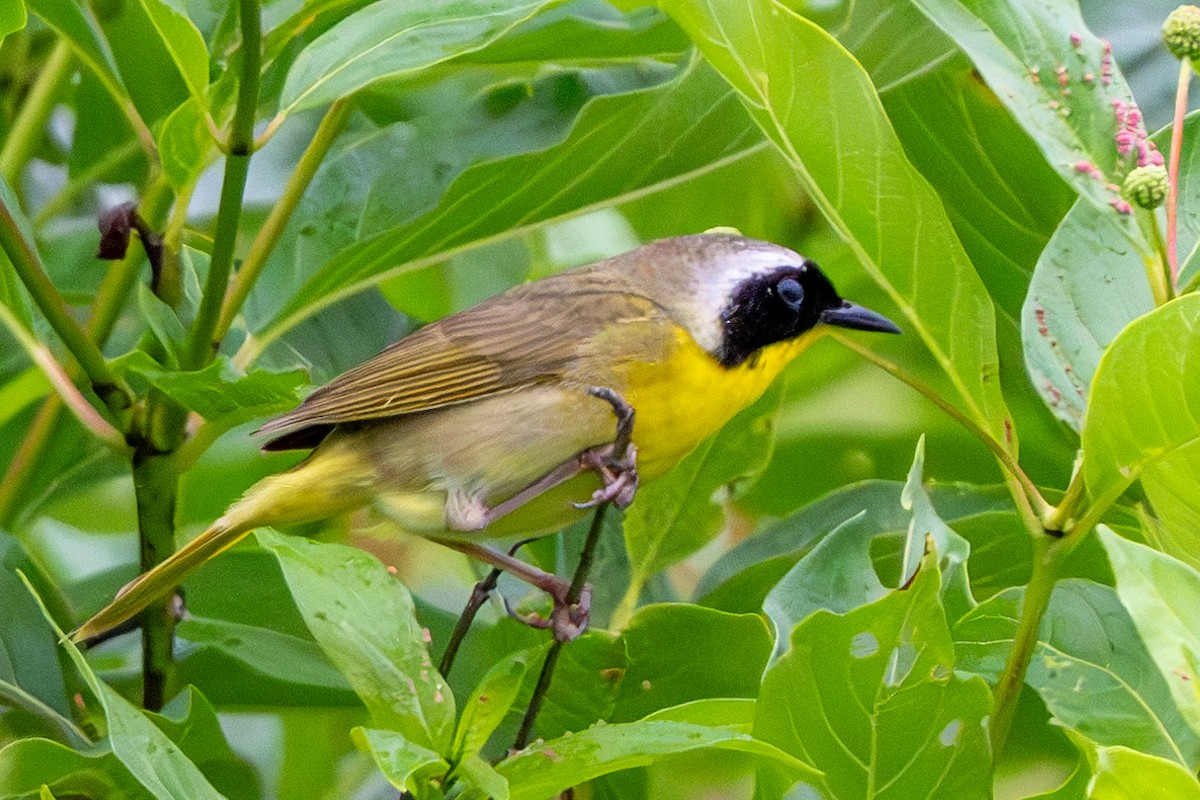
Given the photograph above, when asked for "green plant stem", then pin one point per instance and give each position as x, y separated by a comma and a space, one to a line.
268, 236
1048, 555
1030, 492
29, 268
573, 594
156, 486
1059, 519
200, 347
26, 131
1181, 98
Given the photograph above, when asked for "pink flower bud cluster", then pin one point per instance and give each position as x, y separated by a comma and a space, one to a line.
1131, 136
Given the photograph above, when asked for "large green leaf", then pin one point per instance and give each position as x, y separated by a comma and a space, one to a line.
679, 653
1119, 773
546, 768
28, 764
1003, 198
893, 41
1143, 421
740, 579
684, 127
76, 23
1089, 666
817, 105
1161, 595
12, 17
407, 766
1057, 78
678, 514
388, 39
1090, 283
155, 761
363, 619
183, 42
872, 700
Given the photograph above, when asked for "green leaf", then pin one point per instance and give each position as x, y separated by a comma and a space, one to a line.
185, 145
343, 594
893, 41
871, 699
952, 550
154, 760
544, 769
1057, 78
480, 779
1089, 667
389, 39
28, 651
491, 701
407, 766
584, 32
217, 392
679, 513
696, 123
1003, 198
1119, 773
1161, 595
817, 105
144, 59
741, 579
267, 652
76, 23
12, 17
1091, 282
184, 43
1143, 421
28, 764
663, 639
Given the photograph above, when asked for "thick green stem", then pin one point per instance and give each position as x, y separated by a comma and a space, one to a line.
200, 347
1047, 562
22, 139
268, 236
156, 485
29, 269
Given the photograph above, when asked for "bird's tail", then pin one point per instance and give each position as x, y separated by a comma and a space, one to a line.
328, 483
160, 581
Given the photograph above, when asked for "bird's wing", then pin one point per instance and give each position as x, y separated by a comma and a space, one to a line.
529, 335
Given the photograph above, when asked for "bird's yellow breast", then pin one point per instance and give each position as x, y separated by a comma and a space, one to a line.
687, 396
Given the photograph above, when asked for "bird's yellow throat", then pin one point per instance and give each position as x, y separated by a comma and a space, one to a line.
687, 396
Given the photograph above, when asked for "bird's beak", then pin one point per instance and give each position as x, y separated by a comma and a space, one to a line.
851, 315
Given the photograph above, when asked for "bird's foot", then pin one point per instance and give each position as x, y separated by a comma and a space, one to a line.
567, 620
619, 474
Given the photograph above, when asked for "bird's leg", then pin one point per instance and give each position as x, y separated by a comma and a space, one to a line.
479, 595
568, 619
615, 463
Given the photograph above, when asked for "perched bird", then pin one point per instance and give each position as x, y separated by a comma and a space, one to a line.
491, 424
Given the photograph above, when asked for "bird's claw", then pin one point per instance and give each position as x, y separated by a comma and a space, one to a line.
567, 620
620, 476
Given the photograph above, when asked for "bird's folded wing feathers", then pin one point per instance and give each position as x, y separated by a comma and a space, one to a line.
529, 335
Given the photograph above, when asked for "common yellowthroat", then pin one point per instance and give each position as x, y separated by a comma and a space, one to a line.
492, 423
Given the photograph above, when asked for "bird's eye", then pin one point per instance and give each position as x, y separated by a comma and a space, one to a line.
791, 292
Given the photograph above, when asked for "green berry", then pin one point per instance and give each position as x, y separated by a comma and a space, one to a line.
1181, 32
1146, 186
